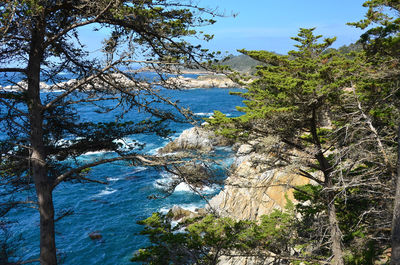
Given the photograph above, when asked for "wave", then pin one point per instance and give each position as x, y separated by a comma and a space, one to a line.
126, 144
92, 153
107, 191
138, 169
209, 114
168, 179
184, 187
165, 180
186, 206
112, 179
204, 114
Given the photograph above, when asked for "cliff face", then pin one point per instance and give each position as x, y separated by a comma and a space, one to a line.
258, 183
254, 189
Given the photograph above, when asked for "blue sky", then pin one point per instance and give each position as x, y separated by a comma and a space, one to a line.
269, 24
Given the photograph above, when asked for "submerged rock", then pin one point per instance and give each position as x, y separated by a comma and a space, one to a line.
95, 235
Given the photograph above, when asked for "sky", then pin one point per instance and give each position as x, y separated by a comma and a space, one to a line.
269, 24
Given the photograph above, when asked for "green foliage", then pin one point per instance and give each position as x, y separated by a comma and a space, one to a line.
289, 98
42, 134
289, 87
206, 239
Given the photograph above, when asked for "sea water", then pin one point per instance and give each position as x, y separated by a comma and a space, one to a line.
112, 210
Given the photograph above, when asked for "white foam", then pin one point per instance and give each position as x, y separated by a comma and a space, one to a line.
138, 169
186, 206
204, 114
164, 181
164, 210
96, 152
192, 206
126, 144
107, 191
112, 179
184, 187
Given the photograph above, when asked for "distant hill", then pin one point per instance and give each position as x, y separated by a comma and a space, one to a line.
240, 63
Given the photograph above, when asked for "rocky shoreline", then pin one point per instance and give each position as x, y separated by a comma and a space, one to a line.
203, 81
180, 82
252, 188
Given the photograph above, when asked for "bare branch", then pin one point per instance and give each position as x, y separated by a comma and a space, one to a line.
12, 70
139, 158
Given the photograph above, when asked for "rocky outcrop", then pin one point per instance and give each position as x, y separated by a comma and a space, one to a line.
254, 189
196, 138
258, 184
203, 81
107, 81
118, 79
179, 214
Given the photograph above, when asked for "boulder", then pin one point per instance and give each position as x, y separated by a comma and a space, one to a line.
196, 138
178, 213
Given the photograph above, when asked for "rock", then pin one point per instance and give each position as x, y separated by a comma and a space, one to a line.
196, 174
178, 213
202, 81
232, 260
244, 149
95, 235
196, 138
253, 189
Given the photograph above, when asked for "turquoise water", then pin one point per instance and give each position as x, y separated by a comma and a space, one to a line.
113, 210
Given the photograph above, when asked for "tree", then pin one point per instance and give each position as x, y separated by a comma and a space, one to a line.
334, 128
40, 39
381, 43
289, 99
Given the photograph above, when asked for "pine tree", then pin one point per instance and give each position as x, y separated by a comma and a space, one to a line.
381, 42
319, 103
40, 39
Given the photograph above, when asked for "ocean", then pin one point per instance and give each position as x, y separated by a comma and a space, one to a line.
112, 210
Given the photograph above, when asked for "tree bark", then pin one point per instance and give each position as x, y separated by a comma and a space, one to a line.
336, 235
326, 168
395, 257
43, 184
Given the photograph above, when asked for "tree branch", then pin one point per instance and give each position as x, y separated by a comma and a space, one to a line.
77, 25
13, 70
142, 159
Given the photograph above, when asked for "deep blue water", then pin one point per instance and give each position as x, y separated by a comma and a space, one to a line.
114, 209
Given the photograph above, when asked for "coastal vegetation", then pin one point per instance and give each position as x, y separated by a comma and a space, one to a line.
318, 138
335, 116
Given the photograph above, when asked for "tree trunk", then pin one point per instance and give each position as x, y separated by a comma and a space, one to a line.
43, 184
395, 259
326, 168
47, 234
336, 236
